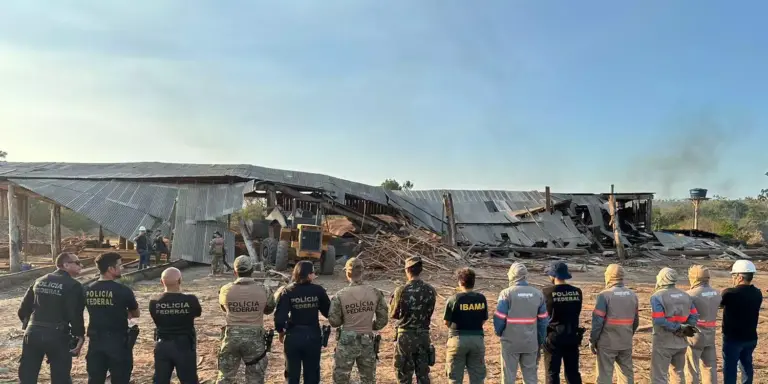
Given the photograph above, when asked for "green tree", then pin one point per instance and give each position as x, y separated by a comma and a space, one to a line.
394, 185
255, 209
3, 155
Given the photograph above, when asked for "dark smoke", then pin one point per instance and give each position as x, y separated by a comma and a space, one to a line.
690, 154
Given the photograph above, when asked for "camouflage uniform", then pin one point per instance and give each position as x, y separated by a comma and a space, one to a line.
412, 306
216, 250
245, 303
358, 309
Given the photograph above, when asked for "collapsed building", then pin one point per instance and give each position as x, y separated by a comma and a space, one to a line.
192, 201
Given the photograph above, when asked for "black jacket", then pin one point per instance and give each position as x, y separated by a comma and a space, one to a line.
55, 300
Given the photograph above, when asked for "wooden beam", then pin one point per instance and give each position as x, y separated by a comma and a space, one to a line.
449, 214
55, 231
3, 204
616, 229
548, 198
121, 243
101, 235
14, 232
24, 215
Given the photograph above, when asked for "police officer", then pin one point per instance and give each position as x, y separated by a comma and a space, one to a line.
701, 358
216, 250
564, 335
245, 302
110, 305
411, 306
50, 310
465, 313
614, 322
521, 321
142, 243
674, 318
298, 325
174, 315
358, 309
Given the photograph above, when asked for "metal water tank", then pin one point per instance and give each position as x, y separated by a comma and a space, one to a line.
698, 193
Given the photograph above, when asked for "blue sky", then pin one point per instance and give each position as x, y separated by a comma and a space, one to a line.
648, 95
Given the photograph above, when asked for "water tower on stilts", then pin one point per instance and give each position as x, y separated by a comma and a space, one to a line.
697, 196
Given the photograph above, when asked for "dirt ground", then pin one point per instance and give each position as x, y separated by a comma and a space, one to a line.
490, 282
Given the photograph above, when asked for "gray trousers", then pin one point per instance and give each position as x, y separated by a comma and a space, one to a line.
528, 362
701, 365
606, 359
668, 365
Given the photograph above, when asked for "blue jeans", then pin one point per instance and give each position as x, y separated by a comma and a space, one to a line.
735, 352
144, 259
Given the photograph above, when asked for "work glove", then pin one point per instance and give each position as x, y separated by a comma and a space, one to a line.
593, 348
687, 330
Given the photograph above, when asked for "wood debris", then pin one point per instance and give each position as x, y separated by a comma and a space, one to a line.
386, 251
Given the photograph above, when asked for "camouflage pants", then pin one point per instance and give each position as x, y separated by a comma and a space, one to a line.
412, 357
242, 344
353, 348
216, 263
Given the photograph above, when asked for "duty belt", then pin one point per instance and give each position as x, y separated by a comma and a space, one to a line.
45, 324
412, 330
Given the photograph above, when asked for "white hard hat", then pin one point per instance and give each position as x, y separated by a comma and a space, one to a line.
743, 266
142, 228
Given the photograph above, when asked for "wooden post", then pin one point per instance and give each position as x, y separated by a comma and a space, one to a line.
448, 204
616, 229
25, 226
14, 232
101, 235
271, 198
121, 242
3, 204
55, 231
649, 215
696, 208
548, 198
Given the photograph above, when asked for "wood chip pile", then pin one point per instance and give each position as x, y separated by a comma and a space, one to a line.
388, 252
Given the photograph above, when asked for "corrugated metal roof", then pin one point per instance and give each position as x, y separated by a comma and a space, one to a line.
123, 206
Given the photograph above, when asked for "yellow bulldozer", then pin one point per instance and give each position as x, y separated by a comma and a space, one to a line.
288, 242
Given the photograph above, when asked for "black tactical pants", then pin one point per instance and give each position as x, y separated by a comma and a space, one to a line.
176, 353
40, 342
108, 352
569, 356
302, 348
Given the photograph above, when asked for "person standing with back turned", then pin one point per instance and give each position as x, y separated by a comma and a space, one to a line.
245, 302
564, 335
465, 313
741, 311
298, 324
110, 305
614, 322
701, 358
358, 309
412, 306
174, 315
674, 319
51, 309
521, 321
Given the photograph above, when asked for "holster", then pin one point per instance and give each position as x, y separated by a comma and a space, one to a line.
376, 345
431, 358
133, 336
268, 337
325, 332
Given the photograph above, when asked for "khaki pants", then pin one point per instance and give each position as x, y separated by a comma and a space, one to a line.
606, 359
668, 365
701, 365
528, 363
465, 352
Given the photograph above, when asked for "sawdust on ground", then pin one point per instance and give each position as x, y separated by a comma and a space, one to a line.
492, 281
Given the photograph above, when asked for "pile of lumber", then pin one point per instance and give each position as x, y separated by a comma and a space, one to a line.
75, 244
386, 251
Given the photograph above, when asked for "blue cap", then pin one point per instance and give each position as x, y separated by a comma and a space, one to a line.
559, 270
